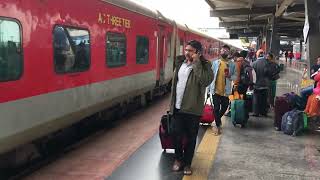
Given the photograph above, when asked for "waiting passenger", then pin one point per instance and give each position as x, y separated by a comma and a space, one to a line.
191, 77
224, 73
315, 68
261, 86
291, 56
244, 74
273, 75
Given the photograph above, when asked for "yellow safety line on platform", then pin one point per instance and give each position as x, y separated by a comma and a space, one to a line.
204, 156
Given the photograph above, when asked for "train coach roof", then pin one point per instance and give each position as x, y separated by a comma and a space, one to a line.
137, 8
153, 13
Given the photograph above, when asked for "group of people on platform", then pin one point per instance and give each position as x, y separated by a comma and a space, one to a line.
232, 72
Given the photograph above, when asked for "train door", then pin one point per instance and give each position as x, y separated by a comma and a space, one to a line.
160, 53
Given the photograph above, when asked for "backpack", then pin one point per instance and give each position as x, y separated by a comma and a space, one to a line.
273, 71
295, 101
292, 122
246, 78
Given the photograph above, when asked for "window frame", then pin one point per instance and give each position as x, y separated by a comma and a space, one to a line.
53, 51
148, 60
106, 50
22, 49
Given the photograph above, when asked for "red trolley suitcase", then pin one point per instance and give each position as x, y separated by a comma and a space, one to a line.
165, 132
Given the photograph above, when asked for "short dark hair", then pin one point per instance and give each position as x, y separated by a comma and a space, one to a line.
270, 54
243, 53
236, 54
195, 44
226, 46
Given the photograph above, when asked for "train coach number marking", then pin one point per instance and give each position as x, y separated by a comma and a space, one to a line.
113, 20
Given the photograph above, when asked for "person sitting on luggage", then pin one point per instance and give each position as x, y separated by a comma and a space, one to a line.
224, 73
260, 95
313, 105
192, 75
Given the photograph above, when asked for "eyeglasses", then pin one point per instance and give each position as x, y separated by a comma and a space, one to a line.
189, 50
224, 50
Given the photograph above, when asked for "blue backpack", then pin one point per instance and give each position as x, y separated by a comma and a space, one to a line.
292, 122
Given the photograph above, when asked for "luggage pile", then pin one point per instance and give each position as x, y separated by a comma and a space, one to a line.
292, 113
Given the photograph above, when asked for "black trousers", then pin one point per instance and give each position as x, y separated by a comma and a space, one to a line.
220, 105
185, 125
260, 101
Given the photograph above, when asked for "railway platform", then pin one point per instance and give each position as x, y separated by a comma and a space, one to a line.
132, 150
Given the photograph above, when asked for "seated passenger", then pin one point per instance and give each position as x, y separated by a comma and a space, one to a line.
313, 104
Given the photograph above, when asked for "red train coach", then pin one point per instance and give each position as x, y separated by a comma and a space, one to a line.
61, 61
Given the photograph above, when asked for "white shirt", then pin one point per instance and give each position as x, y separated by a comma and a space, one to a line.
183, 76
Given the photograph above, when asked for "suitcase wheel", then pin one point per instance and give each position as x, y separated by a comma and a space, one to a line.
243, 125
165, 150
234, 124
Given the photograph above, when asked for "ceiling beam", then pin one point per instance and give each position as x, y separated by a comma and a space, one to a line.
243, 23
258, 23
294, 18
241, 11
235, 2
240, 31
253, 10
210, 3
291, 24
253, 34
284, 5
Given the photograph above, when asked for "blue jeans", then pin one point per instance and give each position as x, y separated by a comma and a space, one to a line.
306, 92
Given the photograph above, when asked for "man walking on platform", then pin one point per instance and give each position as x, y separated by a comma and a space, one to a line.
224, 73
192, 75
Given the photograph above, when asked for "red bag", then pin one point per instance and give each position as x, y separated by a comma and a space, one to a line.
208, 113
167, 139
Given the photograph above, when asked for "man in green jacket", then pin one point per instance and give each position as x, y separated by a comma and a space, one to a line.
191, 77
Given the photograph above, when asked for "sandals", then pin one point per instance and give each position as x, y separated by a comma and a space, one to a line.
177, 166
187, 171
217, 131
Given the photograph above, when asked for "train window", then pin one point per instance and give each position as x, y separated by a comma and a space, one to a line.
11, 58
181, 50
169, 45
71, 49
116, 49
142, 50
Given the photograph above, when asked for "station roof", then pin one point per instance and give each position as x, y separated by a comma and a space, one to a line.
249, 17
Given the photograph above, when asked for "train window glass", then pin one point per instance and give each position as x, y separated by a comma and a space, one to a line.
116, 49
181, 47
71, 49
169, 45
11, 58
142, 50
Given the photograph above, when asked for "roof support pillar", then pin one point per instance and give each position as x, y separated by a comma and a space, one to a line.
313, 41
274, 39
301, 41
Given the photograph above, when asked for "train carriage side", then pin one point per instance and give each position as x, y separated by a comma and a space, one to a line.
70, 64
